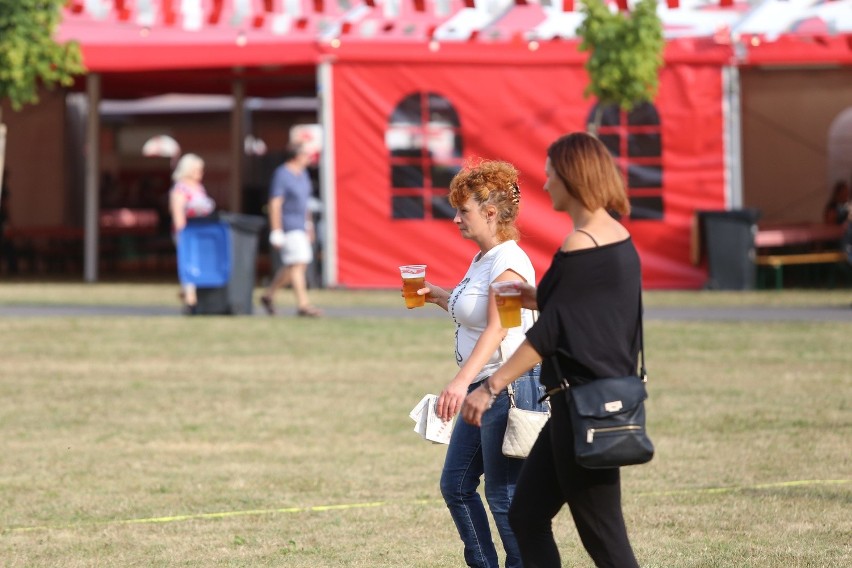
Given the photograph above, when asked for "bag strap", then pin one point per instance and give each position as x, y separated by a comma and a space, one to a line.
643, 373
509, 387
511, 391
512, 397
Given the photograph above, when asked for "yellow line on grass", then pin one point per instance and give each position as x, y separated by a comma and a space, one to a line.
225, 514
736, 488
197, 516
343, 507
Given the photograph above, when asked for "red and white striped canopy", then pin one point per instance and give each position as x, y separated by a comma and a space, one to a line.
262, 37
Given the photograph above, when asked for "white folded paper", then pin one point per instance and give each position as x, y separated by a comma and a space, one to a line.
427, 423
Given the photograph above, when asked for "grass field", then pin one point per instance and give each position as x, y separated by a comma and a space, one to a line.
266, 442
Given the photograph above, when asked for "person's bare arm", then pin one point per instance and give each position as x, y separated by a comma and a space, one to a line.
177, 207
436, 295
451, 398
479, 401
528, 296
274, 210
276, 234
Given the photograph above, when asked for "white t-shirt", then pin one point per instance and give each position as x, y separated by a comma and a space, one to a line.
468, 304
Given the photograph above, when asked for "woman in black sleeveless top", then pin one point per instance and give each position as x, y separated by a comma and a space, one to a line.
589, 300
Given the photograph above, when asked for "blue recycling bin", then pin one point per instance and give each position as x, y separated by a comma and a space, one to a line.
204, 256
204, 253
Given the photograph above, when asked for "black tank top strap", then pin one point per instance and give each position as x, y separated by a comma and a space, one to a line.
588, 234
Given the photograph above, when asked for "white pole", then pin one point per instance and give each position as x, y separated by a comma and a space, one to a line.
92, 204
328, 187
732, 113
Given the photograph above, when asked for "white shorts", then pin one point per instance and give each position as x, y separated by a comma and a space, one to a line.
297, 248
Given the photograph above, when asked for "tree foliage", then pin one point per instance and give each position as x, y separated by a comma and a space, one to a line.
29, 56
625, 52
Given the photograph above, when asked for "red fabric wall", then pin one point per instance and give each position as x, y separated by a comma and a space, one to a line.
512, 112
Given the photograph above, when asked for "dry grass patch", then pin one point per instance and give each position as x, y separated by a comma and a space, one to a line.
250, 442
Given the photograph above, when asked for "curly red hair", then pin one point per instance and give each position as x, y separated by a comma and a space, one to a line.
490, 182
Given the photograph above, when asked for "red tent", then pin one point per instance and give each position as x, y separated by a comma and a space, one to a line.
411, 90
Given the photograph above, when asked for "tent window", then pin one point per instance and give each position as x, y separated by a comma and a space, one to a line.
425, 146
635, 141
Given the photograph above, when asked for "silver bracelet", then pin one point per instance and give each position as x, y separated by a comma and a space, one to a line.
487, 384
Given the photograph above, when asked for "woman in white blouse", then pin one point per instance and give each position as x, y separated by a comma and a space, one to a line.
487, 198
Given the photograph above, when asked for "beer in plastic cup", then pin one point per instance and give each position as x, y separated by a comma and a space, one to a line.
413, 278
507, 295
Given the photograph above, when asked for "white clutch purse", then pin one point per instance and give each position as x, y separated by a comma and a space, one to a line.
522, 429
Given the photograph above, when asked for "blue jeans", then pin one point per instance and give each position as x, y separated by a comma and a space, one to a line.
477, 451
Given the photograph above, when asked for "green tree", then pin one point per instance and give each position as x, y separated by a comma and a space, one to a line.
30, 58
625, 54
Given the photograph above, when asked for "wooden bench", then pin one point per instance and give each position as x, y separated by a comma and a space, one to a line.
778, 261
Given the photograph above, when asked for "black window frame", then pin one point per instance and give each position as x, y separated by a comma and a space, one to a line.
419, 182
635, 140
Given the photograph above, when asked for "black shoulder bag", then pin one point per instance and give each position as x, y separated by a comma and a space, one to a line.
608, 417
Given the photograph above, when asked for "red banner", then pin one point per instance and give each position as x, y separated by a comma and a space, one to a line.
512, 112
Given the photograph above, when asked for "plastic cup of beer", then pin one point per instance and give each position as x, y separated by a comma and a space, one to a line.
507, 295
413, 278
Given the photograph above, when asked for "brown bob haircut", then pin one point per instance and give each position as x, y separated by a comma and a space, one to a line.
490, 182
589, 173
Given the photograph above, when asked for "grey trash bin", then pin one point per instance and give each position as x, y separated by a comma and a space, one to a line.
236, 296
729, 242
